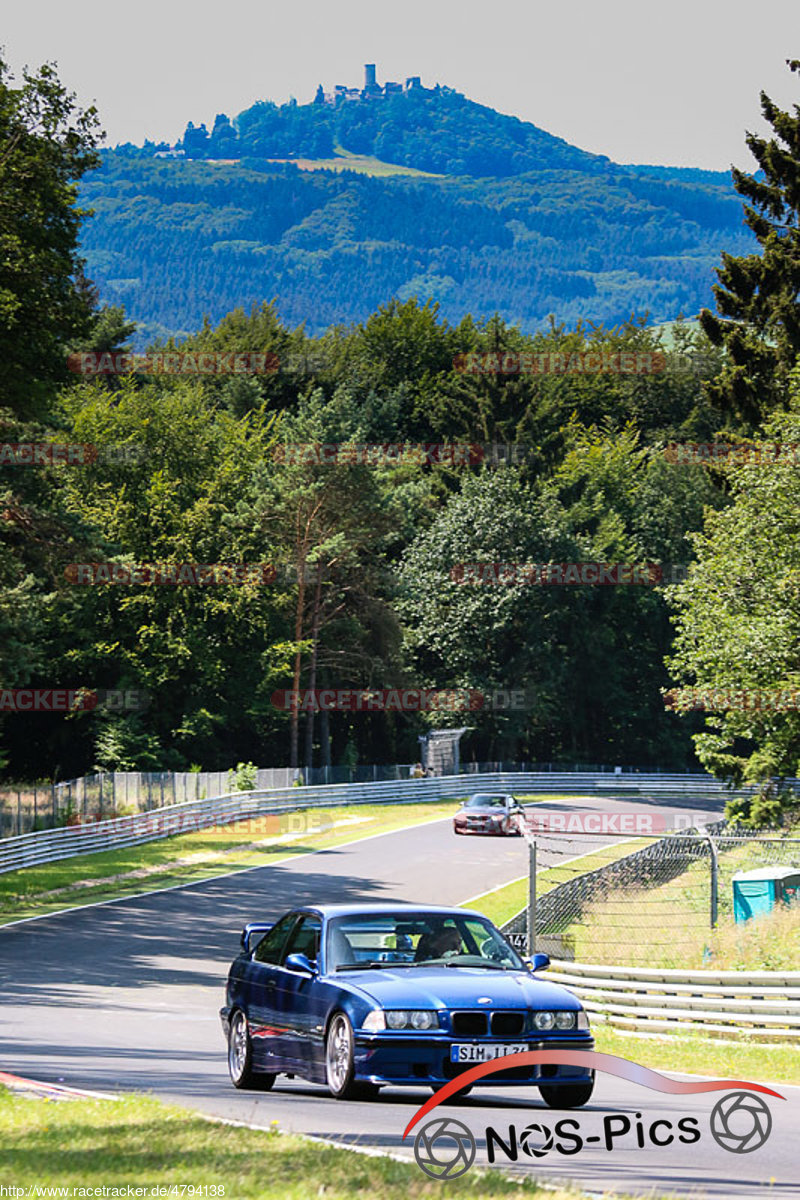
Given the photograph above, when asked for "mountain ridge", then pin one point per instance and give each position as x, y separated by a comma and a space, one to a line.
553, 230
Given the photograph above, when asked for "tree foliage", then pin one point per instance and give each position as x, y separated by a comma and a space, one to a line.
737, 620
757, 294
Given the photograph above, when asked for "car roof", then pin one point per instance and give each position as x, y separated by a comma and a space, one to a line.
382, 908
490, 796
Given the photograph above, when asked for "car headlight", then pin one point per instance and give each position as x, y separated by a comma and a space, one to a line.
420, 1018
544, 1020
374, 1021
397, 1019
423, 1019
565, 1020
583, 1020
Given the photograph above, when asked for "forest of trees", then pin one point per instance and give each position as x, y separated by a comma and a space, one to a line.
366, 595
176, 242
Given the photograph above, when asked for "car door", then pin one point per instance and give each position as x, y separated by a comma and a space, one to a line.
299, 1001
262, 1013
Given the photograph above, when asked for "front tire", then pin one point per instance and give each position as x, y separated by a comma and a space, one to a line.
339, 1064
570, 1095
240, 1057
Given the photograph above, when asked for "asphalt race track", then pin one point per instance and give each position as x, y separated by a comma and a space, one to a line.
125, 996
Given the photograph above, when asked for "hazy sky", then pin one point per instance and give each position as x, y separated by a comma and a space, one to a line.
671, 82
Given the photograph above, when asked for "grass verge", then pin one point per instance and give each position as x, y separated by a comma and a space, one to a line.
704, 1056
192, 857
667, 925
610, 933
502, 903
138, 1142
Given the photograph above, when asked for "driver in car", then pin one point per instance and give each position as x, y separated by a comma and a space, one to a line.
444, 941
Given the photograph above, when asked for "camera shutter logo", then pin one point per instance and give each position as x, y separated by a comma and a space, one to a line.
444, 1148
741, 1122
536, 1140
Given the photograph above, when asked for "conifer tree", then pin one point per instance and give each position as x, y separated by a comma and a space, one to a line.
757, 294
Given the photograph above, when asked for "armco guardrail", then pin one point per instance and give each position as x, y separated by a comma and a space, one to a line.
50, 845
30, 807
763, 1005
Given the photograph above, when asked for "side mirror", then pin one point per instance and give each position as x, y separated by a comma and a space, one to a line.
249, 931
539, 962
299, 963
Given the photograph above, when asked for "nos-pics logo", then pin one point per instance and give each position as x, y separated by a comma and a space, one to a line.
740, 1122
444, 1148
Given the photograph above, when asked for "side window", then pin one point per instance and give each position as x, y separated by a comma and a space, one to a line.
305, 938
270, 948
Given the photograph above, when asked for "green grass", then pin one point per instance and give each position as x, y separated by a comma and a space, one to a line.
138, 1142
669, 925
363, 164
188, 858
343, 160
193, 857
696, 1055
503, 903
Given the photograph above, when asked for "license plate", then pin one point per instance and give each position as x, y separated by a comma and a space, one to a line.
483, 1052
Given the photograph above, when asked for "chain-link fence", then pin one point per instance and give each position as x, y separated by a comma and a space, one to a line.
658, 902
25, 808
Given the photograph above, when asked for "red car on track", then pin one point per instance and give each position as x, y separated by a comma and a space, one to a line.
490, 812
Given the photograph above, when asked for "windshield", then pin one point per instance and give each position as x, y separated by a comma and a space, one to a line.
413, 940
486, 802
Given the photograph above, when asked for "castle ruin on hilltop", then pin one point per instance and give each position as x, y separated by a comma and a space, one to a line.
372, 90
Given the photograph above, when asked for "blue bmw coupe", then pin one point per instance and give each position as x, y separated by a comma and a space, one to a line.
359, 995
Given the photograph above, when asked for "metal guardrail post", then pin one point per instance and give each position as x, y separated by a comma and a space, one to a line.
532, 896
714, 905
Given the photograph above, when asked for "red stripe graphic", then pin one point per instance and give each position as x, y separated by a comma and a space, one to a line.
593, 1059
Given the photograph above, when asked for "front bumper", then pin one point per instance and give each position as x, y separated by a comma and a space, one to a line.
488, 827
414, 1060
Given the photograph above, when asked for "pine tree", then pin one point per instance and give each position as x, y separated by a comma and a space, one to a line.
757, 294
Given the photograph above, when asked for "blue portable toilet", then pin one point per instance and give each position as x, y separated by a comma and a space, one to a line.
757, 892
